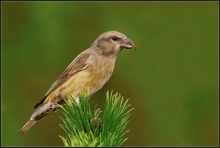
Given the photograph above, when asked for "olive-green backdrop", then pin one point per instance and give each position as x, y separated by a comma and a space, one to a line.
171, 79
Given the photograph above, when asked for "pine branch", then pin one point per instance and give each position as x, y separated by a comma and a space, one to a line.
84, 128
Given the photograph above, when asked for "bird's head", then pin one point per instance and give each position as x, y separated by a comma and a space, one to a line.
111, 43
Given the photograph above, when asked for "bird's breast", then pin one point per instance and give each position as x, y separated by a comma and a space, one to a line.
100, 74
90, 79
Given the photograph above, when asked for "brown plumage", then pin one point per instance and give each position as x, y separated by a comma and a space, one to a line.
90, 70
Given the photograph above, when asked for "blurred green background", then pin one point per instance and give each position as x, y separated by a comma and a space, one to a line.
171, 79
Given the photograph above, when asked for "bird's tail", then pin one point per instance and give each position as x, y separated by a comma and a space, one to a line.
27, 126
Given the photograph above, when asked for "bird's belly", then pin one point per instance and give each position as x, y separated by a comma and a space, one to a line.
89, 81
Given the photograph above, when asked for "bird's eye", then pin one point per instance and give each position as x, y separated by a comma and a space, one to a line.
115, 38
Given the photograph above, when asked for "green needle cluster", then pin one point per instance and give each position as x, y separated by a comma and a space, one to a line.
85, 128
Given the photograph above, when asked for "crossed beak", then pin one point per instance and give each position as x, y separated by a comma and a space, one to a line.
128, 44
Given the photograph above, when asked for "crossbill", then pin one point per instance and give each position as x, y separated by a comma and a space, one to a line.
90, 70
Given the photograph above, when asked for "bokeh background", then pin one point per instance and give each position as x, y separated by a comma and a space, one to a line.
171, 79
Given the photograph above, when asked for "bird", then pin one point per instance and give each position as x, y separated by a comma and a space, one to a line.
88, 72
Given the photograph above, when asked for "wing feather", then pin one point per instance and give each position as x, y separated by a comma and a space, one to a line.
78, 64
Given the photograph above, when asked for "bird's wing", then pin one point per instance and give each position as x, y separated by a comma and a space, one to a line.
78, 64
